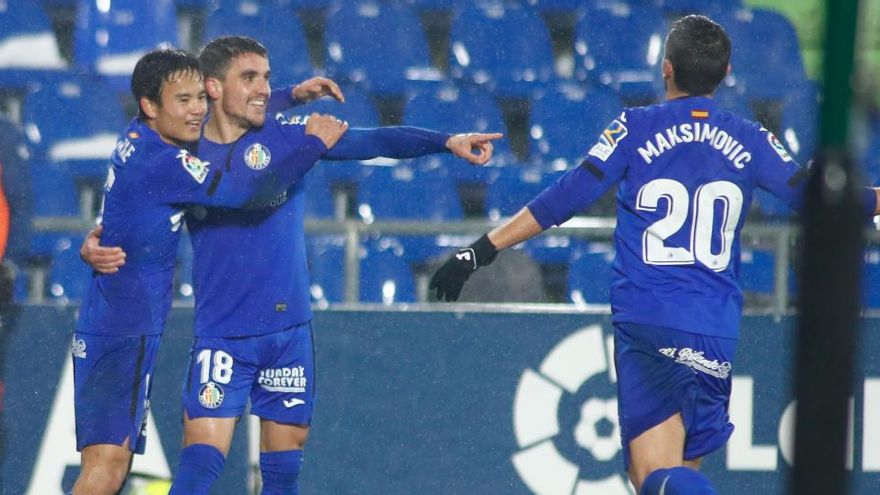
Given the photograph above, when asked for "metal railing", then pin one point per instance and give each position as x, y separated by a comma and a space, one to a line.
778, 237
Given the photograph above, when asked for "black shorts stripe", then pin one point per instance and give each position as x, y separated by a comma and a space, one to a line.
593, 169
138, 369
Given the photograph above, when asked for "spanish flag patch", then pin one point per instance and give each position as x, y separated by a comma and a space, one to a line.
700, 114
133, 135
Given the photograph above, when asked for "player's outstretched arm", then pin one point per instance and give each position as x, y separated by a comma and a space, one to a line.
102, 259
450, 278
474, 147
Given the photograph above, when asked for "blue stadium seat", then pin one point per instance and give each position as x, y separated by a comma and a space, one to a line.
800, 121
756, 271
506, 47
274, 24
681, 7
396, 56
385, 273
109, 41
326, 256
567, 120
554, 249
589, 274
68, 274
512, 187
766, 57
619, 46
458, 109
28, 47
74, 126
416, 190
733, 99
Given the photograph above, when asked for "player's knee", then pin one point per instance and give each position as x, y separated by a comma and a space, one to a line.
676, 481
104, 479
280, 471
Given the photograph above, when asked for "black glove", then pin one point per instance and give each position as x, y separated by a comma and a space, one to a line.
450, 278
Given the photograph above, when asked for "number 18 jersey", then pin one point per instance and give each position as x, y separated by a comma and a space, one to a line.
686, 173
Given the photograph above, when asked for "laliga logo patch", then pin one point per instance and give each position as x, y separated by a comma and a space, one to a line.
612, 135
211, 395
778, 147
257, 156
78, 348
193, 166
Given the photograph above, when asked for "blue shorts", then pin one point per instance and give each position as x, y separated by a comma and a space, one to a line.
111, 386
660, 372
275, 371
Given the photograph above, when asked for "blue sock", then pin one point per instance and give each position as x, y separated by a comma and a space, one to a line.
280, 470
199, 466
677, 481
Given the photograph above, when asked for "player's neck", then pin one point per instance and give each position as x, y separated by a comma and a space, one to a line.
673, 93
221, 128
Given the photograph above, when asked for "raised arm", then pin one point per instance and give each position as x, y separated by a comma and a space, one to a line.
304, 92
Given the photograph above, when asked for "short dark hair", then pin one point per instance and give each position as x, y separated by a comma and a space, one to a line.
157, 67
699, 51
217, 54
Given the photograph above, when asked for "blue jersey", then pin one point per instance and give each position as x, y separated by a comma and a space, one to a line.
250, 273
149, 184
686, 173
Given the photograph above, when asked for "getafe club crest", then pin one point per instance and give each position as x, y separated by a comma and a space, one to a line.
257, 156
211, 395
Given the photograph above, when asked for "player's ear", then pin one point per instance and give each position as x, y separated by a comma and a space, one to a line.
213, 88
667, 69
149, 107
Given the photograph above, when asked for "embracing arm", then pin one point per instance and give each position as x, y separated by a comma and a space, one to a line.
410, 142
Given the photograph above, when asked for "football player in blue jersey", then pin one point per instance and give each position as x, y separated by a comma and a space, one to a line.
153, 176
686, 172
253, 336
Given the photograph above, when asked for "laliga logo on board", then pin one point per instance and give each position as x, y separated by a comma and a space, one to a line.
565, 420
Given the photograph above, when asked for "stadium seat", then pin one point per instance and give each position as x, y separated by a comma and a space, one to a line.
512, 187
554, 249
505, 47
674, 8
757, 272
567, 120
319, 194
589, 274
326, 256
619, 46
74, 126
800, 121
385, 273
68, 274
28, 47
459, 109
110, 38
396, 56
766, 57
274, 24
417, 190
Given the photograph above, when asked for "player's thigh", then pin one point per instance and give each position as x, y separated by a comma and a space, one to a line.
285, 388
277, 437
661, 446
112, 382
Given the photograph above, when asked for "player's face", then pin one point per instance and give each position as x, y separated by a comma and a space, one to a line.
183, 107
246, 90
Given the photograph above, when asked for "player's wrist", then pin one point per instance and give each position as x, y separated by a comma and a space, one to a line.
484, 250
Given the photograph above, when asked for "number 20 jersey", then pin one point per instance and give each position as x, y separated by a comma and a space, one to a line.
686, 173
